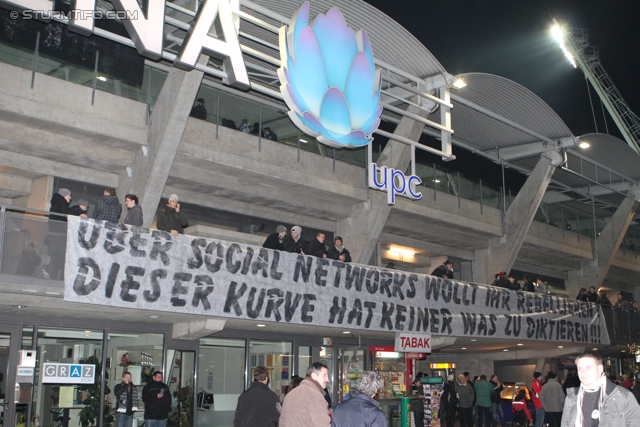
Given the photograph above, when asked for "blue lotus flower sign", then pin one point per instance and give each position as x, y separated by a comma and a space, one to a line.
328, 79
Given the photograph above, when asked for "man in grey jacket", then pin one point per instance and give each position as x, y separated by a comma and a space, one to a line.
598, 401
552, 397
466, 396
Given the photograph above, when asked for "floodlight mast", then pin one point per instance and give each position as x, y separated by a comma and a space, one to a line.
575, 42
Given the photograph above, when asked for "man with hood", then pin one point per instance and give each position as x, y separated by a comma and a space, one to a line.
80, 209
134, 216
552, 397
56, 240
338, 251
274, 241
444, 270
294, 242
361, 409
536, 389
598, 401
108, 208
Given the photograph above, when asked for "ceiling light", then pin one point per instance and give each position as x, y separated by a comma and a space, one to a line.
459, 83
474, 340
520, 344
623, 351
304, 141
154, 316
346, 332
102, 78
401, 251
560, 346
584, 145
464, 348
20, 306
260, 325
505, 349
437, 181
595, 349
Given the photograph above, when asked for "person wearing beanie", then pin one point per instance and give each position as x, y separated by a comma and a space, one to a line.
536, 388
171, 219
552, 398
274, 241
598, 401
294, 242
80, 209
56, 240
338, 251
108, 208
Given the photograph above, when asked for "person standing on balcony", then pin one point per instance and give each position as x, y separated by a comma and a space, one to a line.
445, 270
317, 247
56, 240
199, 111
592, 295
294, 242
338, 251
134, 216
171, 219
108, 208
274, 241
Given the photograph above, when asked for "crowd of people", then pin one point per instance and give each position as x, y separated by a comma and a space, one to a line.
293, 242
601, 298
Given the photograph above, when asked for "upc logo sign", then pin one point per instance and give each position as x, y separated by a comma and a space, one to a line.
328, 79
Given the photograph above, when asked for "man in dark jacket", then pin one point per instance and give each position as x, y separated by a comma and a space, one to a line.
108, 208
317, 247
157, 402
199, 111
448, 402
592, 295
57, 238
445, 270
274, 241
338, 251
496, 400
134, 216
294, 242
126, 401
361, 409
171, 219
80, 209
258, 406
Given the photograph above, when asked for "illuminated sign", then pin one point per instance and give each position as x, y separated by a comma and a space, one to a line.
442, 365
68, 373
394, 182
328, 79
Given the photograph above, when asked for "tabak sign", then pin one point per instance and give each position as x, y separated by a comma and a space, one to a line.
413, 343
327, 73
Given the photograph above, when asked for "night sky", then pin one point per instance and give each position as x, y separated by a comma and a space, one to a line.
512, 39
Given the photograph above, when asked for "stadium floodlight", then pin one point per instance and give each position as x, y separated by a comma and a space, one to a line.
584, 145
560, 34
459, 83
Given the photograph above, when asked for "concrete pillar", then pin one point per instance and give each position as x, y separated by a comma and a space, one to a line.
40, 196
362, 229
607, 244
149, 172
503, 251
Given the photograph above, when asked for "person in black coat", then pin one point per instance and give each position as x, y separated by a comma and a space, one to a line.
157, 401
338, 251
445, 270
80, 209
527, 284
171, 219
258, 406
199, 111
274, 241
294, 242
448, 402
317, 247
56, 240
134, 215
502, 281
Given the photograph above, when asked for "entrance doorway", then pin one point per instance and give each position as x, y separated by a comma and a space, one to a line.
9, 350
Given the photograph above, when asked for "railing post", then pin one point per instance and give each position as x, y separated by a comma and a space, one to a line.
95, 77
260, 130
562, 221
435, 193
149, 96
3, 215
334, 159
218, 113
578, 226
481, 204
36, 53
458, 189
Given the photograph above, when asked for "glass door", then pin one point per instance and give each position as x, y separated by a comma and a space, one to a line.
180, 379
9, 346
